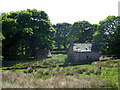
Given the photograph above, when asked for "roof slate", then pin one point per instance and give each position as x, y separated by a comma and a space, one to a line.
82, 47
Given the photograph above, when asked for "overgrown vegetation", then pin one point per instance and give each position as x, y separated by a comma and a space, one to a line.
27, 31
95, 75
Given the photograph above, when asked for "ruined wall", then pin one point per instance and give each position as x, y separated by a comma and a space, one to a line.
70, 54
86, 56
41, 54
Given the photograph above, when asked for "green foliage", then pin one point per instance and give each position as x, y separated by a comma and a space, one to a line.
83, 31
113, 44
25, 32
108, 72
61, 37
106, 30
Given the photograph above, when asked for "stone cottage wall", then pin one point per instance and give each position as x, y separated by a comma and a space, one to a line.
70, 54
84, 56
95, 55
41, 54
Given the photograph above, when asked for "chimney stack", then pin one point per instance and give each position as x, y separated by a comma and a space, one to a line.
71, 40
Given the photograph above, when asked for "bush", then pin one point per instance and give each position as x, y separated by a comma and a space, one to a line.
91, 70
69, 73
80, 71
97, 72
46, 73
88, 73
40, 71
54, 73
114, 61
99, 64
30, 70
13, 70
25, 71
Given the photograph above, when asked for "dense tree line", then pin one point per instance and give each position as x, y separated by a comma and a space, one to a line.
113, 44
25, 32
83, 32
106, 30
61, 37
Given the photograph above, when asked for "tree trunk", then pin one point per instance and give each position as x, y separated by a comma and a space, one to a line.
22, 51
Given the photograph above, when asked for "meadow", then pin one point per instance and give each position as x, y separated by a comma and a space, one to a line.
57, 72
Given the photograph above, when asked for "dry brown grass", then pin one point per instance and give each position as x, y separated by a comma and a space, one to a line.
0, 79
21, 80
99, 64
106, 58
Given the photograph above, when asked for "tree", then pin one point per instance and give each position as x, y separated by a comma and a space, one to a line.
25, 32
61, 37
9, 30
113, 44
1, 37
106, 29
83, 31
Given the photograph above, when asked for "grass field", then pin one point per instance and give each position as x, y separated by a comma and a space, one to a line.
56, 72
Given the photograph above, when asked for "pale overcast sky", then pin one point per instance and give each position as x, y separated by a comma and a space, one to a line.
66, 10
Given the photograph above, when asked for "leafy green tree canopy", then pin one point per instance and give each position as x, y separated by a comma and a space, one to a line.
61, 37
83, 31
25, 32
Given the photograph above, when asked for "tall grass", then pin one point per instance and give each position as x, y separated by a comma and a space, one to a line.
21, 80
99, 74
0, 79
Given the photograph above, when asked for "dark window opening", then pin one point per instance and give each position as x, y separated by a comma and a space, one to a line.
87, 57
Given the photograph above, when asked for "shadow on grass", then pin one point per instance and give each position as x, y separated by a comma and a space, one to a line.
56, 59
10, 63
80, 62
6, 63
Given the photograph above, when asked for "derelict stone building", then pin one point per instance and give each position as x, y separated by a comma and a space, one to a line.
42, 54
83, 52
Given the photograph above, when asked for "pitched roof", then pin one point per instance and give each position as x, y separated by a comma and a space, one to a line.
82, 47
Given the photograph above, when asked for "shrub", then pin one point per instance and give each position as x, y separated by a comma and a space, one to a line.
113, 61
40, 71
80, 71
99, 64
35, 69
69, 73
25, 71
54, 73
88, 73
13, 70
83, 69
97, 72
115, 65
30, 70
46, 73
91, 70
